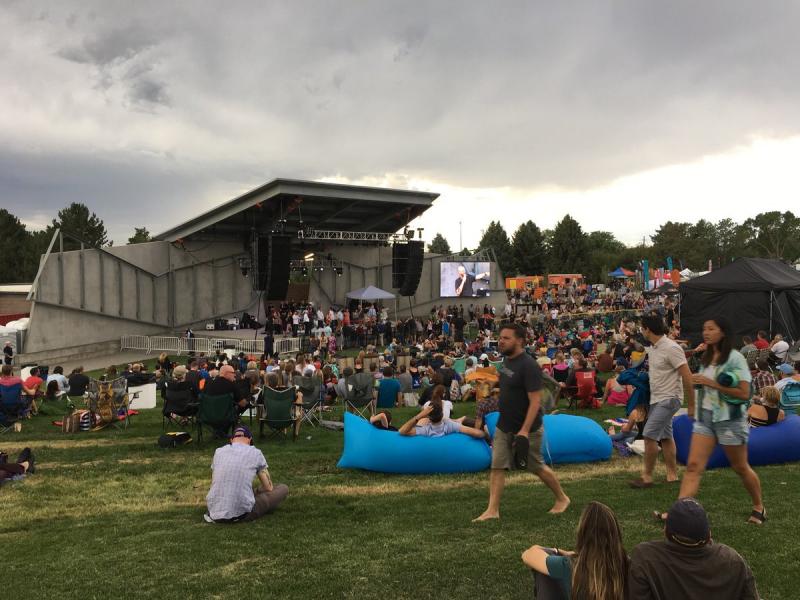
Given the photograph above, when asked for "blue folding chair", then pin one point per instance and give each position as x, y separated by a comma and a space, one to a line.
13, 406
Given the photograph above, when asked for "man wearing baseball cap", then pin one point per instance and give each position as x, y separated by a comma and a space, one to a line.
688, 563
788, 375
231, 498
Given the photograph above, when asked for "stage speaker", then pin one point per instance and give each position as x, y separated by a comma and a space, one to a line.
272, 265
415, 254
399, 264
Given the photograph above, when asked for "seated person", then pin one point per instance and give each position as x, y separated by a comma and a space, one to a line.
389, 390
32, 387
598, 568
430, 421
762, 377
633, 428
788, 375
138, 376
688, 564
78, 382
769, 412
24, 465
180, 396
225, 383
383, 420
58, 376
231, 498
489, 404
615, 393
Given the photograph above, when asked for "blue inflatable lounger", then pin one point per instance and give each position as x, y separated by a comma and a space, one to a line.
568, 439
770, 445
367, 447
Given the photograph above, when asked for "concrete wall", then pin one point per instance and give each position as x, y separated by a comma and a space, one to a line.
371, 265
13, 303
88, 296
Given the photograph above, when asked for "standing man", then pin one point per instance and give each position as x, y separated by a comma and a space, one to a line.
520, 424
668, 373
8, 354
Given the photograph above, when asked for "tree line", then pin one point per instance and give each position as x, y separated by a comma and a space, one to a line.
21, 248
567, 248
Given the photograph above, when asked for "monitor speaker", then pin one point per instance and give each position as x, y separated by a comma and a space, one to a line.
272, 265
399, 264
415, 253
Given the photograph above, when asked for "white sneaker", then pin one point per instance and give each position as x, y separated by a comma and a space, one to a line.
207, 518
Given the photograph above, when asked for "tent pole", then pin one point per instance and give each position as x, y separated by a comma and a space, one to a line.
771, 300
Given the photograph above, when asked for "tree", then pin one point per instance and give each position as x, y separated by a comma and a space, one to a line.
466, 252
528, 249
140, 236
496, 238
76, 220
774, 235
603, 252
13, 246
439, 245
569, 249
673, 239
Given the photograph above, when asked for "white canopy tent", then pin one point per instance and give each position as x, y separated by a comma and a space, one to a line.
371, 294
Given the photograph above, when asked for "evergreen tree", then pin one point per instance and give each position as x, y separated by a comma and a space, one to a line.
569, 248
75, 219
140, 235
528, 248
13, 248
439, 245
496, 238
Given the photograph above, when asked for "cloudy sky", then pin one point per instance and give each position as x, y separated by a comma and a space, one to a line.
624, 114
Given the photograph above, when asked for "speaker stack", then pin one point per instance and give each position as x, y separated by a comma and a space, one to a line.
407, 266
271, 270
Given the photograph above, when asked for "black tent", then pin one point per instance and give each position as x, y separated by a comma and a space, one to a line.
751, 293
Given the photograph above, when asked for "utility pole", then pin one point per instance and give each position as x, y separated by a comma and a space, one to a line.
460, 242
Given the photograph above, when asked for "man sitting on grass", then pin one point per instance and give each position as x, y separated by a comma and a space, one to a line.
688, 563
23, 466
231, 498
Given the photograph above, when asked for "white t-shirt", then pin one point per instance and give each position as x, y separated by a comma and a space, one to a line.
666, 357
780, 349
447, 406
710, 395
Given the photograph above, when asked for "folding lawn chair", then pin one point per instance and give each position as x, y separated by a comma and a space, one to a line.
13, 406
311, 407
359, 393
279, 412
178, 402
751, 357
108, 403
217, 413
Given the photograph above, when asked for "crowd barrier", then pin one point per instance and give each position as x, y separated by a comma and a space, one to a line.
181, 345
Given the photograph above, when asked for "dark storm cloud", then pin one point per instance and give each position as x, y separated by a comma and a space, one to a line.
523, 94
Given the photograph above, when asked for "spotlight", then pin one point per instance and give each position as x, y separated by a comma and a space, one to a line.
338, 271
305, 271
409, 233
309, 256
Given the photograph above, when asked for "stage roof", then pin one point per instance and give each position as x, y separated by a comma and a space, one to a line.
320, 205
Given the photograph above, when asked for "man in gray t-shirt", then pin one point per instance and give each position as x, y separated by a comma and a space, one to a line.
231, 497
670, 382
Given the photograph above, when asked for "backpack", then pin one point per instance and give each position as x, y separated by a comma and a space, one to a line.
173, 439
75, 421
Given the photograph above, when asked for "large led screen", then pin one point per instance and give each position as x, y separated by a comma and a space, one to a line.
464, 279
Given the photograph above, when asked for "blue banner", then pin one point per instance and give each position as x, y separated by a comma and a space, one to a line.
669, 263
645, 275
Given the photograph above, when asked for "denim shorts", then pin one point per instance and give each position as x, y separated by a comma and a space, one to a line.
734, 432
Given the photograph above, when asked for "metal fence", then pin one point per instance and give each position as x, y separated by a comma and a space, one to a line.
180, 345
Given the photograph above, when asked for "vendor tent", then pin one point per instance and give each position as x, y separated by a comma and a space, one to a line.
371, 294
621, 273
750, 293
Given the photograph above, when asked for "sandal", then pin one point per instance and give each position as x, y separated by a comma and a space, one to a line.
659, 516
639, 484
758, 518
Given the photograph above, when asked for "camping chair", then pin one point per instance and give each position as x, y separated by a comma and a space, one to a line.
311, 407
460, 365
790, 398
751, 357
359, 394
108, 403
216, 412
180, 401
13, 406
793, 353
279, 412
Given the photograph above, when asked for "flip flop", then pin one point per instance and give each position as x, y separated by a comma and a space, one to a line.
638, 484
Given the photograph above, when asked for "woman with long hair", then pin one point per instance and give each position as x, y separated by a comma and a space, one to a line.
598, 567
723, 388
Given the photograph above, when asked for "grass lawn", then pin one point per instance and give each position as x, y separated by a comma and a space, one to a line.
109, 514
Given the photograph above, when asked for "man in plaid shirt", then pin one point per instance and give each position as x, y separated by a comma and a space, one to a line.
762, 378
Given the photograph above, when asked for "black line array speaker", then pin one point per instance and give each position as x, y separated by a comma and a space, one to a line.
272, 266
415, 251
399, 264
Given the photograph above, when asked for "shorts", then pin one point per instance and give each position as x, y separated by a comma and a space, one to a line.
659, 419
503, 455
734, 432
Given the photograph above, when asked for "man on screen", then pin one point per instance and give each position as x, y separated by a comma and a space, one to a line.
464, 281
